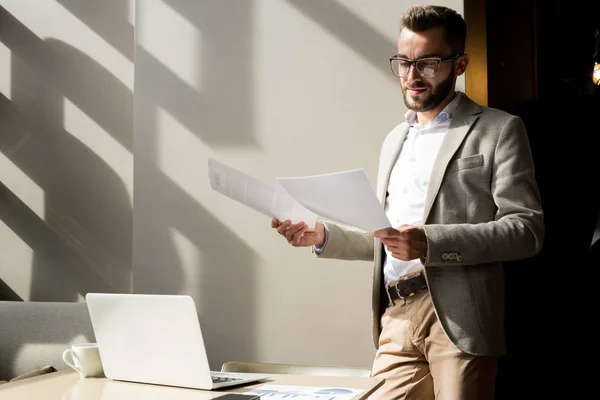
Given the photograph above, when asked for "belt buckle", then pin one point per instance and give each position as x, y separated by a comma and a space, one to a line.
402, 280
398, 290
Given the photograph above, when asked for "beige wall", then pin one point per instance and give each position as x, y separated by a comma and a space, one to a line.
275, 88
66, 162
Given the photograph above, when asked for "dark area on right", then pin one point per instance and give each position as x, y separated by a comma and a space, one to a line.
541, 56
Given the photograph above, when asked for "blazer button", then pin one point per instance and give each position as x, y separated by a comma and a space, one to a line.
444, 256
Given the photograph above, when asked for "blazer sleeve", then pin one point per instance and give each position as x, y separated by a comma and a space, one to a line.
517, 231
346, 243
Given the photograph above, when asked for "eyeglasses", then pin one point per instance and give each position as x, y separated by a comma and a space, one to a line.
426, 67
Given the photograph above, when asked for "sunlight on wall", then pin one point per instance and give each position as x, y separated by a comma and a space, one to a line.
178, 56
21, 254
116, 156
131, 12
72, 30
178, 151
190, 260
6, 71
22, 186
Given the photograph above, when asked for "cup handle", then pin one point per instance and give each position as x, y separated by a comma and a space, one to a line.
65, 356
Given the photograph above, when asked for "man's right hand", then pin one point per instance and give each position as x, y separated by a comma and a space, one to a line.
298, 234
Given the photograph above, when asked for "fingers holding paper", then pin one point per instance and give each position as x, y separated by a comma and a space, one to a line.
299, 235
407, 242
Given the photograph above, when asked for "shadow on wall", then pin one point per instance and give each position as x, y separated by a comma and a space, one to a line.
221, 113
88, 213
84, 241
222, 279
108, 18
6, 292
224, 274
351, 30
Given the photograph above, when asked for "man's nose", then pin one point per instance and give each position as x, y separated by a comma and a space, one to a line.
412, 71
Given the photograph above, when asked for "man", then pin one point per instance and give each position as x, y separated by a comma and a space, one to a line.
457, 182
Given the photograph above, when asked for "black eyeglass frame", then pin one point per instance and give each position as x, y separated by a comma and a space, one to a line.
439, 60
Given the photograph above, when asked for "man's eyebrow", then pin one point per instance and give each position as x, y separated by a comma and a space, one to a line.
428, 55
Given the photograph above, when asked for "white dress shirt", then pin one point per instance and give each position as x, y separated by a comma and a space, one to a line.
409, 180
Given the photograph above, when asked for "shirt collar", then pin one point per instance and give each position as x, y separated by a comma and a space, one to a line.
444, 115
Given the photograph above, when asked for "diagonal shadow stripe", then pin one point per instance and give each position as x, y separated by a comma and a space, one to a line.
6, 293
79, 77
58, 255
223, 113
351, 30
108, 19
209, 117
225, 277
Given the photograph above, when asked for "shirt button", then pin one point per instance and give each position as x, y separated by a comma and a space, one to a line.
412, 159
404, 190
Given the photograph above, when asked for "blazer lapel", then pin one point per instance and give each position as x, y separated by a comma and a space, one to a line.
388, 159
465, 116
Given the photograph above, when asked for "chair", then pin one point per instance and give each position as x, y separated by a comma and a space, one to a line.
34, 334
294, 369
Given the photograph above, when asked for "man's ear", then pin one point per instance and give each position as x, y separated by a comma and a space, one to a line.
461, 64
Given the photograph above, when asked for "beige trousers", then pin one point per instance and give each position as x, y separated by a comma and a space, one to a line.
419, 362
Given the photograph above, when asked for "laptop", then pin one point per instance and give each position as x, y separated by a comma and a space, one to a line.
155, 339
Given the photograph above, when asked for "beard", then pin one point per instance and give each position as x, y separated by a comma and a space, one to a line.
428, 101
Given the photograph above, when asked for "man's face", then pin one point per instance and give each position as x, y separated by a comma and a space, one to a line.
422, 94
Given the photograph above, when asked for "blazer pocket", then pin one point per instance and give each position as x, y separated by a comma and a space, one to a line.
473, 161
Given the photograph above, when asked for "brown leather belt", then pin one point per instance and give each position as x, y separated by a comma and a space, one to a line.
405, 287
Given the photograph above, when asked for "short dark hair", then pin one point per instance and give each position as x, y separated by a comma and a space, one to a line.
422, 18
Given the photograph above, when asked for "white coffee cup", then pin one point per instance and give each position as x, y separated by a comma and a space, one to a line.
85, 359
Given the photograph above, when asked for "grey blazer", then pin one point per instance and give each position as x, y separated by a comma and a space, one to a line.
482, 207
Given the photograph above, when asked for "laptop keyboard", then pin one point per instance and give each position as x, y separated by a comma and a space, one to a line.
218, 379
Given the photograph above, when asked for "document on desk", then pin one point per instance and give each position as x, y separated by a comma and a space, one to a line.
267, 198
276, 392
345, 197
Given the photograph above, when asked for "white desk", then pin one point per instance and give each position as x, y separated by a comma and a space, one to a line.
67, 385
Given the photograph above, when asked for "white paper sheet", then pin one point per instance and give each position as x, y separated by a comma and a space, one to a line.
276, 392
267, 198
345, 197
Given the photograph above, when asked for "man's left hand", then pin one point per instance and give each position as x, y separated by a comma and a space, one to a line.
407, 242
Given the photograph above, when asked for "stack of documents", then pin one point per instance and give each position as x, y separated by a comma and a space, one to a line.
345, 197
276, 392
